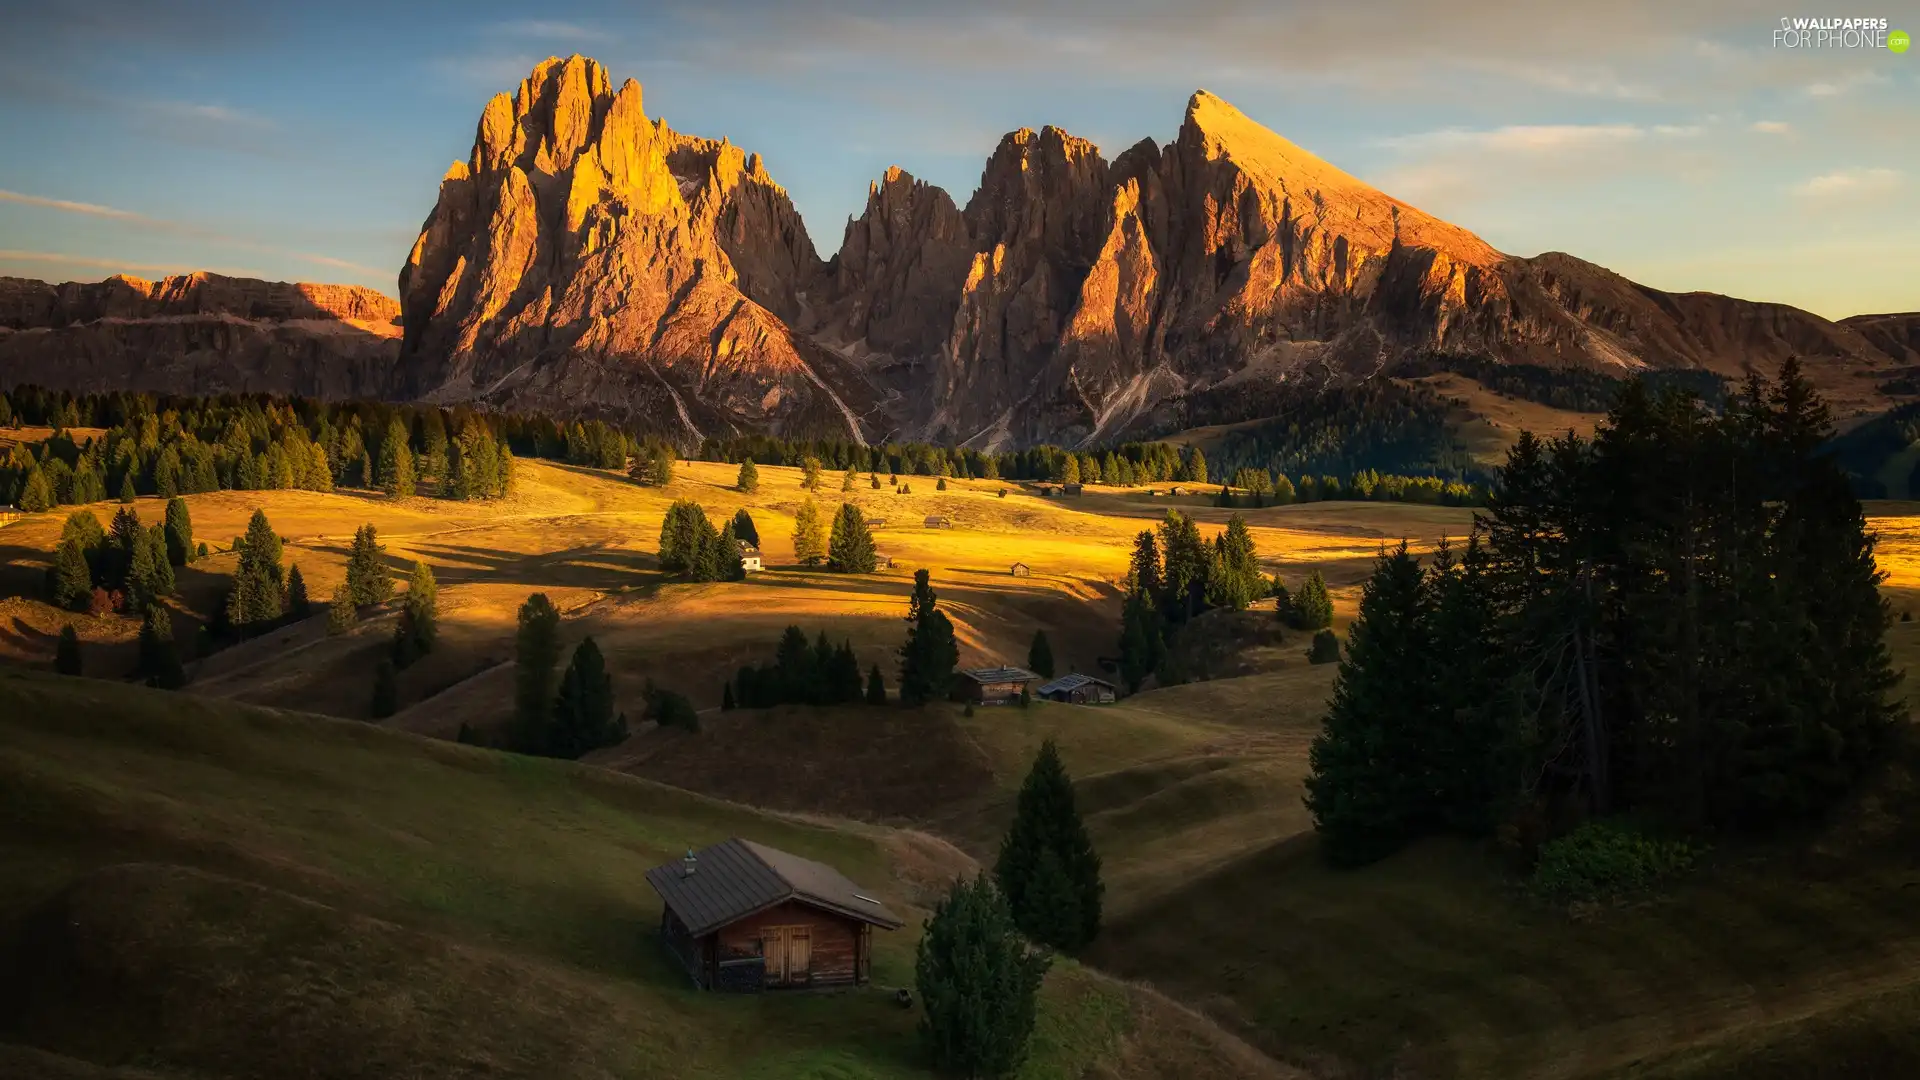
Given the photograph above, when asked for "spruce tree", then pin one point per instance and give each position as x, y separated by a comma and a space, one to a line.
876, 687
846, 482
1040, 655
727, 557
749, 478
928, 657
536, 651
256, 598
395, 474
299, 605
1312, 606
419, 623
850, 550
1047, 822
1233, 578
179, 525
36, 493
72, 583
583, 716
743, 527
386, 691
1142, 641
367, 578
1369, 788
978, 983
1325, 647
341, 611
809, 537
66, 654
159, 656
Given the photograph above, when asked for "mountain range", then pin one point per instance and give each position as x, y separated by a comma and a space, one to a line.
585, 260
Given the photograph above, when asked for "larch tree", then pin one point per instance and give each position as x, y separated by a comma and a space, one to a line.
809, 535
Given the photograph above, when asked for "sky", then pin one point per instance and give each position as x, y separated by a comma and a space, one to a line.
1672, 141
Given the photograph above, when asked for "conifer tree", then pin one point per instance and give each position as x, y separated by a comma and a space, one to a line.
727, 557
127, 494
367, 578
179, 526
810, 474
749, 479
386, 691
341, 611
1040, 655
583, 716
1047, 822
1142, 641
743, 527
726, 698
66, 654
930, 654
1312, 606
978, 983
876, 687
414, 634
1196, 470
36, 494
159, 656
536, 651
873, 481
299, 605
850, 549
684, 539
256, 597
1325, 648
72, 583
940, 484
846, 482
809, 536
1233, 578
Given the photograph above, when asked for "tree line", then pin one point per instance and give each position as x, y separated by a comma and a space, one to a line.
1130, 463
1677, 619
1262, 488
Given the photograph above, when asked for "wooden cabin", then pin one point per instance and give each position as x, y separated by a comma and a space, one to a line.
749, 557
876, 523
1078, 689
935, 521
1071, 489
994, 686
743, 917
1021, 569
1045, 491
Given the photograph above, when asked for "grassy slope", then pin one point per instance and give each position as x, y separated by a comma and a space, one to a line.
354, 901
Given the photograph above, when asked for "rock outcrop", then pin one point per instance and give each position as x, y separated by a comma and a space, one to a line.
200, 334
586, 259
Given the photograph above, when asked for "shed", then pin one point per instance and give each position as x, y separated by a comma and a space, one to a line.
1045, 491
741, 916
1173, 491
1078, 689
749, 557
994, 686
935, 521
876, 523
1021, 569
1070, 489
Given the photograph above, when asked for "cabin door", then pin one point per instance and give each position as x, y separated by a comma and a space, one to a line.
799, 955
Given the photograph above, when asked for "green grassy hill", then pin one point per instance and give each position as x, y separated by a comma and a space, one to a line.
206, 890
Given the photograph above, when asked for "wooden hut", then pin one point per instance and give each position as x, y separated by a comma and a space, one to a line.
1070, 489
1078, 689
1021, 569
994, 686
935, 521
744, 917
876, 523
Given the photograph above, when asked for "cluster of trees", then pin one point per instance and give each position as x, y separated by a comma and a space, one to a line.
564, 716
1262, 488
802, 674
1572, 389
167, 446
691, 548
1132, 463
846, 549
128, 568
986, 948
1339, 431
1175, 575
1678, 619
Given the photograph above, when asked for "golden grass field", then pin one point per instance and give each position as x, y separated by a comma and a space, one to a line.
1426, 965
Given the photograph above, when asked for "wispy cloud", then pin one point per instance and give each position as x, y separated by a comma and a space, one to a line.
546, 30
1851, 183
93, 263
213, 114
1535, 139
1845, 84
1771, 127
69, 206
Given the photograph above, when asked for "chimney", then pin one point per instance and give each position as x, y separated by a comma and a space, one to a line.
687, 864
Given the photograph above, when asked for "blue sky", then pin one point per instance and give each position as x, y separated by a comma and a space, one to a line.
1667, 140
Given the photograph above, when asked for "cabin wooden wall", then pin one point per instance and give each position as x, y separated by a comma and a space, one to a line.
835, 944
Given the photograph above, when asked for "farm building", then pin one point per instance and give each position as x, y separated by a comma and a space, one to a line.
741, 916
749, 557
1021, 569
935, 521
1070, 489
876, 523
1078, 689
994, 686
1045, 491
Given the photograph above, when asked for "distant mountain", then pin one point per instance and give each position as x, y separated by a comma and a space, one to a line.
587, 260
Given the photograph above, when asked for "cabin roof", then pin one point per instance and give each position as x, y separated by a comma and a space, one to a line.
1000, 675
1074, 681
736, 878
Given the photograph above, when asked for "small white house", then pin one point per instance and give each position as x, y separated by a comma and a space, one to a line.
749, 557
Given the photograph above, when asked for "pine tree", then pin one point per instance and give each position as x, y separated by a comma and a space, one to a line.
727, 556
299, 605
537, 650
1312, 605
1040, 655
809, 537
159, 657
1325, 648
1046, 821
1233, 578
72, 582
810, 474
179, 526
726, 698
876, 687
66, 655
386, 691
978, 983
36, 494
414, 634
1196, 470
743, 527
256, 597
683, 539
928, 657
583, 717
341, 611
1142, 641
940, 484
846, 482
367, 578
395, 474
749, 479
127, 493
850, 550
873, 481
1369, 789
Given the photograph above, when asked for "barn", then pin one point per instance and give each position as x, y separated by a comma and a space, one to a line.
744, 917
1078, 689
994, 686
